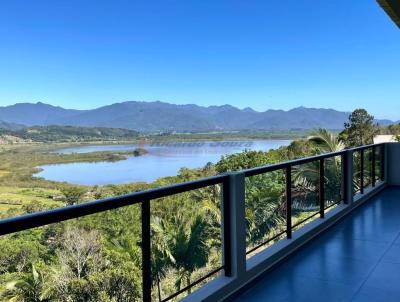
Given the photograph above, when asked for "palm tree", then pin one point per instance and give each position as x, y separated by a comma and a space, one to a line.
28, 288
210, 198
190, 248
161, 256
326, 141
306, 176
265, 206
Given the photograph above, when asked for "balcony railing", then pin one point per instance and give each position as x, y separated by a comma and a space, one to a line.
368, 163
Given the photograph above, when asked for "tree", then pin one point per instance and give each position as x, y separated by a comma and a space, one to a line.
326, 141
72, 194
190, 248
244, 160
18, 252
79, 256
359, 130
29, 287
80, 251
265, 206
117, 284
161, 256
306, 176
393, 129
298, 149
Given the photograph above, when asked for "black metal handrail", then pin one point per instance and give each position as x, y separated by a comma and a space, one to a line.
29, 221
287, 167
300, 161
372, 161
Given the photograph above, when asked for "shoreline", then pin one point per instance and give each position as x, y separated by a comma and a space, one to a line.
19, 164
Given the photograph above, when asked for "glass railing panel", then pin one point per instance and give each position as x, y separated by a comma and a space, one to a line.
378, 163
186, 241
368, 167
265, 211
305, 193
333, 182
93, 258
356, 172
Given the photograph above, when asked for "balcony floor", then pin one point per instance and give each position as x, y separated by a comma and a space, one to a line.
357, 260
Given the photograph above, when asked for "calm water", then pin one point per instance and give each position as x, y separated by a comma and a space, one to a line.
164, 159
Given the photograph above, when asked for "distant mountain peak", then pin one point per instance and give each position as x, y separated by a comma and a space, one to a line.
162, 116
248, 109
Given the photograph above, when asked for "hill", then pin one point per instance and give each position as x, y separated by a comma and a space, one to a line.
161, 117
69, 134
10, 126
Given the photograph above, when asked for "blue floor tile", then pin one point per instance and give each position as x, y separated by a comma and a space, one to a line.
367, 294
358, 259
393, 254
298, 289
346, 247
349, 271
386, 276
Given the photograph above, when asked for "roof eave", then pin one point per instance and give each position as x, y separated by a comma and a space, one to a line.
392, 8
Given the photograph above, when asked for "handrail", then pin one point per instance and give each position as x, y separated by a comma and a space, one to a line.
300, 161
287, 166
23, 222
28, 221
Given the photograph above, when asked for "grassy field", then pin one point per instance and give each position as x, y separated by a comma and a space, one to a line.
21, 191
13, 200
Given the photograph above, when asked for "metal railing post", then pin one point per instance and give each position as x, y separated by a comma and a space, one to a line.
383, 163
289, 202
343, 173
227, 227
373, 172
146, 252
347, 176
362, 171
234, 226
321, 188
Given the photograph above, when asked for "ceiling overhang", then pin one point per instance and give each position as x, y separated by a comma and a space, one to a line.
392, 8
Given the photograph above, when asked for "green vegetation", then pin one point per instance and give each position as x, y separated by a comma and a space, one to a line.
98, 257
21, 192
69, 134
231, 135
391, 130
359, 130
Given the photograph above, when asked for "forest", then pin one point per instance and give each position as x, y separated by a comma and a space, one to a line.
98, 257
55, 133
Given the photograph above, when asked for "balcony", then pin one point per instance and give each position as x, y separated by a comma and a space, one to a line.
339, 243
358, 259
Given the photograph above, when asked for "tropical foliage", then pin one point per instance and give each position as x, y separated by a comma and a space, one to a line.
98, 257
360, 129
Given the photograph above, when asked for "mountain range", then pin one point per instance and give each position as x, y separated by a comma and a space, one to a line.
162, 117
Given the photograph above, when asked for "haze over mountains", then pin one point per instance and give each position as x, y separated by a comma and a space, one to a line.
161, 116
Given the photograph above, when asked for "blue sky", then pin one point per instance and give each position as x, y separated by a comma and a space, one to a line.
265, 54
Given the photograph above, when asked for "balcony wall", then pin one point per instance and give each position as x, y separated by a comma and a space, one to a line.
393, 164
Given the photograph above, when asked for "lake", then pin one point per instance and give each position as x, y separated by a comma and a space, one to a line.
163, 159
